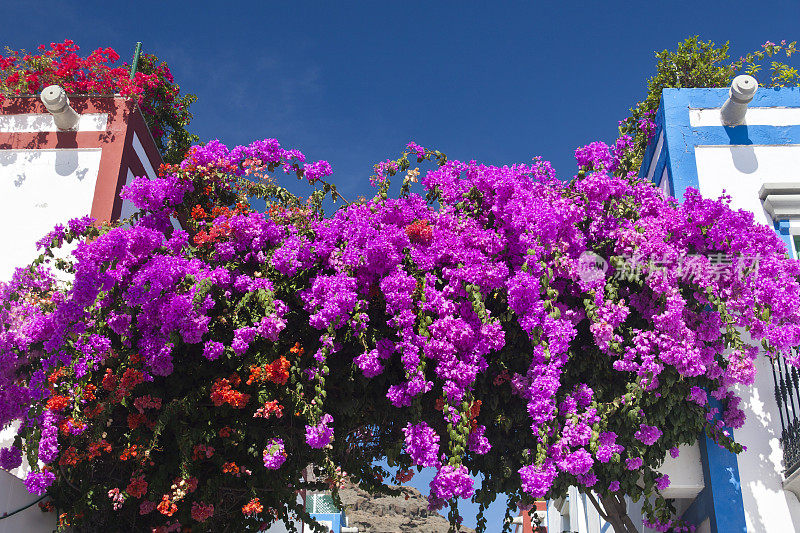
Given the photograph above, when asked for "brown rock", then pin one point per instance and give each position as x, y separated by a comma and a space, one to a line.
392, 514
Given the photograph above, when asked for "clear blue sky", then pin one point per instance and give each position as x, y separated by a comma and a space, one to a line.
500, 82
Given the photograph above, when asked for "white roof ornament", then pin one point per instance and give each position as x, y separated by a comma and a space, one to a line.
54, 98
741, 93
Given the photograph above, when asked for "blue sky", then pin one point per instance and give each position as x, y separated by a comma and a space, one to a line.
353, 82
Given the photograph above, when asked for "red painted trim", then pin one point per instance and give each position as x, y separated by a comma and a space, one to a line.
111, 171
130, 159
124, 117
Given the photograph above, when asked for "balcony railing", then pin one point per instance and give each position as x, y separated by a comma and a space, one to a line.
787, 396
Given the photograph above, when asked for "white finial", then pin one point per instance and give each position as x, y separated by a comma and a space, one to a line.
740, 94
54, 98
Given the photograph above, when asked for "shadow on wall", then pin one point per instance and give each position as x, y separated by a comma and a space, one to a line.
761, 465
66, 163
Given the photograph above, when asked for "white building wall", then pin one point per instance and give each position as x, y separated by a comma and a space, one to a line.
14, 495
740, 171
39, 189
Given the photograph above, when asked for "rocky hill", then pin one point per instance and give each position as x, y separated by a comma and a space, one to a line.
392, 514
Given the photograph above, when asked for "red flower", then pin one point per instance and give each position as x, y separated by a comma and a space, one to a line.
201, 451
222, 392
166, 507
69, 457
57, 403
276, 372
130, 378
130, 452
137, 487
419, 232
202, 511
88, 392
56, 375
109, 380
270, 408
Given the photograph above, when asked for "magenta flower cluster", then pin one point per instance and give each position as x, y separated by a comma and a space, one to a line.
483, 281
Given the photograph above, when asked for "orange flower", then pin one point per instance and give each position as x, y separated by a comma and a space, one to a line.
71, 426
230, 468
166, 507
225, 432
297, 349
56, 375
219, 210
88, 392
198, 212
130, 452
252, 507
276, 372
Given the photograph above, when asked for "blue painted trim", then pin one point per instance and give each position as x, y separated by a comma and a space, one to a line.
681, 139
710, 98
335, 518
700, 509
782, 230
726, 135
650, 151
680, 150
547, 513
721, 473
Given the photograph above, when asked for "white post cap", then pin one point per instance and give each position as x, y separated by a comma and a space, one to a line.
743, 88
54, 98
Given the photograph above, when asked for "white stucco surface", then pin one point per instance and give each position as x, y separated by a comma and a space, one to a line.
685, 473
142, 155
741, 170
41, 122
38, 189
656, 154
